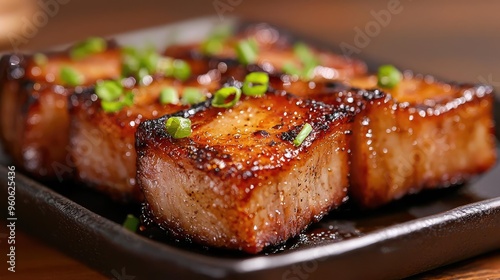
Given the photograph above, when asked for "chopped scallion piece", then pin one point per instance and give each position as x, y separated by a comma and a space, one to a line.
223, 94
128, 99
308, 61
178, 127
253, 43
181, 70
88, 47
109, 90
215, 42
305, 54
142, 74
256, 84
192, 95
135, 61
165, 66
212, 46
130, 61
141, 64
308, 72
388, 76
131, 223
169, 95
71, 77
304, 132
111, 106
291, 69
40, 59
112, 97
149, 60
246, 50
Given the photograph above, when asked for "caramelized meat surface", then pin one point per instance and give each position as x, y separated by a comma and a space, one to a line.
238, 181
102, 143
425, 134
34, 100
428, 135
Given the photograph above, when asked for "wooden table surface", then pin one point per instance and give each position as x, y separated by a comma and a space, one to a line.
456, 40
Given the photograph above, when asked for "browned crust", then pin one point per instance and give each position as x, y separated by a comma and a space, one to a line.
112, 135
241, 167
402, 131
35, 121
323, 118
239, 211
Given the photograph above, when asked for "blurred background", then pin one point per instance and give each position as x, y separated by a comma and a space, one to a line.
455, 40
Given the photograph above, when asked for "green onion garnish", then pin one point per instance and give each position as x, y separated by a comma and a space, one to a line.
253, 43
178, 127
130, 61
143, 63
305, 54
291, 69
181, 69
115, 106
308, 72
165, 66
88, 47
128, 99
223, 94
256, 84
388, 76
246, 50
192, 95
215, 42
212, 46
109, 90
149, 60
111, 106
40, 59
308, 61
131, 223
135, 61
141, 74
112, 95
304, 132
71, 77
169, 95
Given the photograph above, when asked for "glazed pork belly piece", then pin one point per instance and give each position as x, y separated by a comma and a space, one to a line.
238, 181
33, 104
263, 48
429, 134
102, 142
425, 134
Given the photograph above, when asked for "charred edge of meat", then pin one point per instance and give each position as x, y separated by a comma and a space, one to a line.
152, 127
153, 131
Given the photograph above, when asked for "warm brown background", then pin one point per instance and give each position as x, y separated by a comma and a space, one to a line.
456, 40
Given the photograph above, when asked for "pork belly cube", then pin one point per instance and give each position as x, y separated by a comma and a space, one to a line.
428, 135
33, 106
102, 143
238, 181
